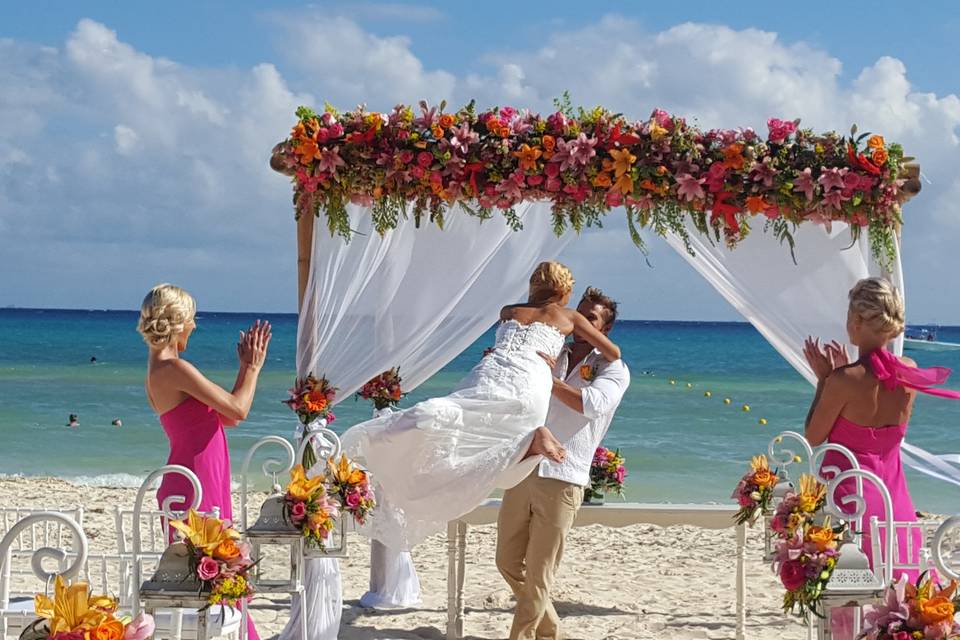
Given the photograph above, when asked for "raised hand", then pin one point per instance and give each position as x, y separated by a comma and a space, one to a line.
818, 358
837, 353
252, 348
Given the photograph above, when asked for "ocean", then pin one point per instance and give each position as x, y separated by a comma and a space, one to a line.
680, 445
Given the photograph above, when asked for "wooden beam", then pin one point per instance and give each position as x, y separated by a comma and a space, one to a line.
304, 253
910, 188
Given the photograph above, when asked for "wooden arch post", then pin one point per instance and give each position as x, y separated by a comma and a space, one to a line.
305, 224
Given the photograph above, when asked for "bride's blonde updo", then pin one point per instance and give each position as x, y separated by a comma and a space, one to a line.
878, 305
165, 312
550, 279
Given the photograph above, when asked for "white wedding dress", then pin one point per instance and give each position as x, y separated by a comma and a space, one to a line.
442, 457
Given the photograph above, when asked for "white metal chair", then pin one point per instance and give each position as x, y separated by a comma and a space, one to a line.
945, 548
171, 622
918, 558
40, 534
67, 559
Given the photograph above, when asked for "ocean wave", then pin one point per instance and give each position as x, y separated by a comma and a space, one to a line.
115, 480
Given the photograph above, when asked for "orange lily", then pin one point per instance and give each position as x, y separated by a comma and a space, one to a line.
756, 204
733, 156
203, 532
301, 487
622, 161
528, 156
73, 607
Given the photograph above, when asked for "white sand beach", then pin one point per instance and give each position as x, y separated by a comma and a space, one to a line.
636, 582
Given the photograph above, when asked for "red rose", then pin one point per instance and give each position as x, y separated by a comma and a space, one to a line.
793, 575
424, 159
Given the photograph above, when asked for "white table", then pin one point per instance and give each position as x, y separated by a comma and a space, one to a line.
620, 514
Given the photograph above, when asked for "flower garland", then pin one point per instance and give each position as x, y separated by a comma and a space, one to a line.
220, 561
921, 611
754, 492
308, 506
76, 614
351, 485
607, 473
384, 390
806, 552
663, 170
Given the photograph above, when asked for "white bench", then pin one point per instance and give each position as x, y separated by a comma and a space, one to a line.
621, 514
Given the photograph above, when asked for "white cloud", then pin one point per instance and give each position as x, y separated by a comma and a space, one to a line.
150, 169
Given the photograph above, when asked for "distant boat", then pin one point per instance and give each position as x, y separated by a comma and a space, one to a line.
925, 339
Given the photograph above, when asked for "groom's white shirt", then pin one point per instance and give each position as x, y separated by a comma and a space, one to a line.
581, 433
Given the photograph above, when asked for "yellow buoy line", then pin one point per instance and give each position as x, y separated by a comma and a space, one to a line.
727, 401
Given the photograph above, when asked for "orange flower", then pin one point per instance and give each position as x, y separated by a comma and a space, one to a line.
935, 610
357, 476
437, 131
624, 184
299, 131
733, 156
226, 550
764, 478
549, 143
315, 401
879, 156
622, 161
110, 629
504, 131
876, 142
822, 537
649, 185
307, 150
586, 372
756, 204
528, 156
446, 121
602, 180
662, 170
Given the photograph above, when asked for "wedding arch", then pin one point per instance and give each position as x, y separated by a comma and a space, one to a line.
431, 215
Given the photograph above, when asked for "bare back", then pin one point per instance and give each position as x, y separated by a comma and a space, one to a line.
868, 403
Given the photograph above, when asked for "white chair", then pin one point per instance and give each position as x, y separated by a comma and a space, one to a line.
154, 538
39, 534
918, 559
67, 559
171, 622
945, 548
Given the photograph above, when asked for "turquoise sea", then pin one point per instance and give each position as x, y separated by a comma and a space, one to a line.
680, 445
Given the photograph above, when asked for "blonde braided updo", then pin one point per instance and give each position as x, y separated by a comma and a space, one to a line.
550, 279
879, 306
164, 314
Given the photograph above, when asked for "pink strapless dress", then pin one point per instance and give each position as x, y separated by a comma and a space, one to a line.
877, 449
199, 443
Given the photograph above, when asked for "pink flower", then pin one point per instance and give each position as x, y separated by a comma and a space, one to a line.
507, 114
329, 160
463, 137
715, 177
68, 635
613, 198
831, 178
140, 628
424, 159
689, 188
353, 500
804, 184
298, 512
583, 149
793, 575
620, 474
557, 122
662, 118
208, 569
534, 181
780, 130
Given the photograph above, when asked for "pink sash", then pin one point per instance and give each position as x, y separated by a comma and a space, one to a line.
893, 373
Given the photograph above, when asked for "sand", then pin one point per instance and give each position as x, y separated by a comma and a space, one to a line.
636, 582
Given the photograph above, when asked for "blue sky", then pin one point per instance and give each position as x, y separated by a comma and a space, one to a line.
133, 135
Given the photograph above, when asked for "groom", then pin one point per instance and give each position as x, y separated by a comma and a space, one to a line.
537, 514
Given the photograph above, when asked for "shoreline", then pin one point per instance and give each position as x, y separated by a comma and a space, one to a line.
637, 582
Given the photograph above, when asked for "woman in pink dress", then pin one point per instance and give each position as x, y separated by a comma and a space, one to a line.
192, 409
866, 405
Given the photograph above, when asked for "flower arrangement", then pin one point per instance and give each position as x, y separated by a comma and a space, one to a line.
663, 170
921, 611
755, 490
308, 507
311, 399
220, 560
806, 551
607, 473
76, 614
588, 372
384, 390
351, 485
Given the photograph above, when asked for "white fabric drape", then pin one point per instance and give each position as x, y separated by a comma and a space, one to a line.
788, 302
414, 298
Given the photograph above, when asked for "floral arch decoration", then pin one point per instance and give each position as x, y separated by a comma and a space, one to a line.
663, 171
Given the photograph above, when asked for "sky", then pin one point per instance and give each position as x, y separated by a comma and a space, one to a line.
134, 137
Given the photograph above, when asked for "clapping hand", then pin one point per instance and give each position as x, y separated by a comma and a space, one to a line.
252, 348
824, 359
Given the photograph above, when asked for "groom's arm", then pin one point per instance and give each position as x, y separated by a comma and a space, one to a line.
601, 396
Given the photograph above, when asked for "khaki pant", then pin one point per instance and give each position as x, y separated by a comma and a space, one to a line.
534, 520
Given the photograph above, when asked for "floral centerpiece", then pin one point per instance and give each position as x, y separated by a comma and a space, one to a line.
384, 390
308, 507
921, 611
351, 485
806, 551
76, 614
755, 490
663, 170
311, 398
607, 474
218, 557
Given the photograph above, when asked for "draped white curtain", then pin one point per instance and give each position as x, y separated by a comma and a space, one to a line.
788, 302
415, 298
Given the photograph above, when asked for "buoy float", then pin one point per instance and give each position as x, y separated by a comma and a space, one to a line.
707, 394
763, 421
727, 401
689, 385
746, 407
797, 458
673, 382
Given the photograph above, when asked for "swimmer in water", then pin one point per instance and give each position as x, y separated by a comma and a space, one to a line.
117, 422
72, 421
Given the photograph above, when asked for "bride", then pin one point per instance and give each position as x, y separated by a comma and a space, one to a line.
442, 457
